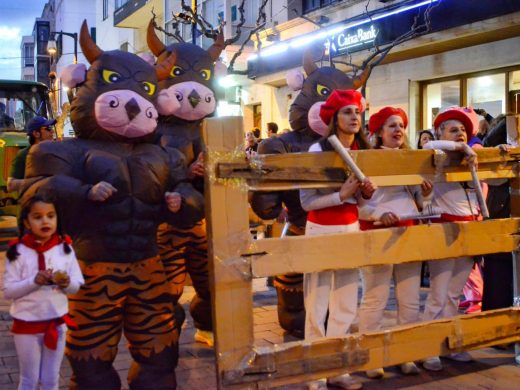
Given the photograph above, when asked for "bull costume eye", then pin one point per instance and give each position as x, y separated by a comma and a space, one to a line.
110, 77
205, 74
208, 99
179, 96
149, 88
322, 90
176, 71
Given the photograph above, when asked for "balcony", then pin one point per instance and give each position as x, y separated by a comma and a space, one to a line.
137, 13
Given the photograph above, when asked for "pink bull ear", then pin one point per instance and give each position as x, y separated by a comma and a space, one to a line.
167, 103
148, 57
295, 79
73, 75
220, 69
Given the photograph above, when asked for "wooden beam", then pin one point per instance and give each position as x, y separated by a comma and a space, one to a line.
300, 361
228, 235
384, 167
304, 254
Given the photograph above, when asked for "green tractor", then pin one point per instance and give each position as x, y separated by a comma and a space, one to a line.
20, 101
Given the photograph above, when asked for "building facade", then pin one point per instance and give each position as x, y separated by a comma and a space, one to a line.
469, 57
27, 60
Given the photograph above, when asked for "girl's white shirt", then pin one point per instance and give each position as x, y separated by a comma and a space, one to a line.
320, 198
32, 302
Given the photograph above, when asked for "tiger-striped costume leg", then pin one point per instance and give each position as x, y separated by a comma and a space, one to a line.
184, 250
133, 298
172, 253
197, 266
289, 290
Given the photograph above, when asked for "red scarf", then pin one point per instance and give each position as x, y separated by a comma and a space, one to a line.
49, 327
30, 241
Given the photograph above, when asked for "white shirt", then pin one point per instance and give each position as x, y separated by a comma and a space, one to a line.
320, 198
399, 200
452, 198
32, 302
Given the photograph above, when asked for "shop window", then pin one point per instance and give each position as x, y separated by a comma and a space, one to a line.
311, 5
257, 116
487, 92
514, 92
105, 9
438, 97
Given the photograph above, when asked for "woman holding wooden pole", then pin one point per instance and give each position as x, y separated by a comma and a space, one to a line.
391, 207
335, 211
453, 128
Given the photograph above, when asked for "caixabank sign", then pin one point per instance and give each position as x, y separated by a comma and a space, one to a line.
380, 27
352, 39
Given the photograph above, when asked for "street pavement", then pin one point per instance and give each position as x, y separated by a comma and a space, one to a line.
492, 368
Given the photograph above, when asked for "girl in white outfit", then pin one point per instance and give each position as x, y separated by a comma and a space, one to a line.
41, 270
335, 211
453, 128
387, 206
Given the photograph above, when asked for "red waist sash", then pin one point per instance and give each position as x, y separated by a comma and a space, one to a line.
49, 328
344, 214
454, 218
369, 225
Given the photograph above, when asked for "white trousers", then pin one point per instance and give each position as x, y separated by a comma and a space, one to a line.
39, 364
376, 290
447, 279
332, 291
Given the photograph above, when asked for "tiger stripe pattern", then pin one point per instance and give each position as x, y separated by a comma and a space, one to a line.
118, 297
185, 251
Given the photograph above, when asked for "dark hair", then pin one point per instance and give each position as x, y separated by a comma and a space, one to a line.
32, 138
273, 127
256, 132
360, 137
419, 137
12, 252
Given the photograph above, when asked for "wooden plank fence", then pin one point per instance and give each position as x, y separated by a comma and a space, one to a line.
235, 258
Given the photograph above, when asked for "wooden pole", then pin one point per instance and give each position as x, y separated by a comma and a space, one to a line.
336, 144
478, 191
228, 236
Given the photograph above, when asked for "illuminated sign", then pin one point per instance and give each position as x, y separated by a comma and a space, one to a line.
353, 39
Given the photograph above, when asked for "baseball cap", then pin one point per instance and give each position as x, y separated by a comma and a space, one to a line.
38, 122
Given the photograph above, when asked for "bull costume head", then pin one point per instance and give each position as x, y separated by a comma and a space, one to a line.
116, 100
314, 90
189, 76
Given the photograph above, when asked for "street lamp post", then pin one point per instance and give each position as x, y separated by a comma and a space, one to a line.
51, 49
51, 45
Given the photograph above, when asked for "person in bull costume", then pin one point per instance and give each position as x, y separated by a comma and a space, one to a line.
307, 127
184, 247
115, 187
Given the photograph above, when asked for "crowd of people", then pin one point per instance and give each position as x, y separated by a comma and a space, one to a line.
42, 268
330, 297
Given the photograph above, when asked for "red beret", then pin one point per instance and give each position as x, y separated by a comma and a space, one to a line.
339, 99
460, 114
377, 120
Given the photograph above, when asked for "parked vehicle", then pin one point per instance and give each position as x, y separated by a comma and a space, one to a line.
20, 101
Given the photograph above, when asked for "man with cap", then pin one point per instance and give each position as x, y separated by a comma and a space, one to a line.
39, 129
